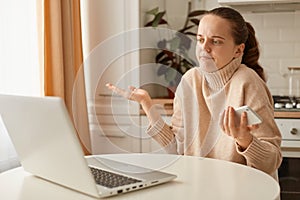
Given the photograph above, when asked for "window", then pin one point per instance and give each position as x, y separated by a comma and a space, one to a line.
19, 65
19, 68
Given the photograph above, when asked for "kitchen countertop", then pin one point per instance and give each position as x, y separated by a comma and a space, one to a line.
286, 114
167, 105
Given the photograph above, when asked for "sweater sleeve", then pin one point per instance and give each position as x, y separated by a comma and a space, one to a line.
262, 155
264, 152
164, 135
170, 136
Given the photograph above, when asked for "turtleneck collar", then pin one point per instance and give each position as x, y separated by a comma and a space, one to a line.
217, 79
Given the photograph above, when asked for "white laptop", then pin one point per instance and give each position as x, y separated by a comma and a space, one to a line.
48, 147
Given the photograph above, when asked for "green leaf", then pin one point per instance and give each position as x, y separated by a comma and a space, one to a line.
158, 18
162, 21
170, 74
162, 70
162, 44
183, 69
153, 11
185, 43
174, 43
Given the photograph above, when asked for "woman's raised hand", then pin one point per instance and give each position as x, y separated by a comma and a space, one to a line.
135, 94
139, 95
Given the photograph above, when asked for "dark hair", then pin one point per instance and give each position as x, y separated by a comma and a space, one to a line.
242, 32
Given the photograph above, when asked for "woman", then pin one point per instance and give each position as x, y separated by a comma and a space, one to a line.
228, 76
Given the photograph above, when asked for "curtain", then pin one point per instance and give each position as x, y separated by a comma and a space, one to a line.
62, 61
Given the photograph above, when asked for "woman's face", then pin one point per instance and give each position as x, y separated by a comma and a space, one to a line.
215, 44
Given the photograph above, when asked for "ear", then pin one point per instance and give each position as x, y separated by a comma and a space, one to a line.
239, 50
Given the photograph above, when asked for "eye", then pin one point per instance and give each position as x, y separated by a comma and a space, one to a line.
217, 42
201, 40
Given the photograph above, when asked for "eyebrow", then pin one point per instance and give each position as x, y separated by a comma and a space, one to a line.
215, 36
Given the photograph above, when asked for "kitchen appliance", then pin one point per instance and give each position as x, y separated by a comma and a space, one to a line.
288, 122
286, 103
294, 81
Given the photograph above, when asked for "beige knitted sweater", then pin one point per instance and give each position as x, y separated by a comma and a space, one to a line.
198, 102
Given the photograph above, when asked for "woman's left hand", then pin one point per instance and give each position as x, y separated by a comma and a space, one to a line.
240, 132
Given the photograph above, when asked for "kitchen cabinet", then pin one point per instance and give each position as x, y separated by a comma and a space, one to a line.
114, 125
119, 126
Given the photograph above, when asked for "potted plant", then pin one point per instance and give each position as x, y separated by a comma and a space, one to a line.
173, 54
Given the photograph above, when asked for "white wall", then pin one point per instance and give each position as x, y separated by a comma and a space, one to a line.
104, 22
99, 23
278, 34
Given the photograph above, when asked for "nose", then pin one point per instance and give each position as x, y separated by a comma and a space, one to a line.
205, 46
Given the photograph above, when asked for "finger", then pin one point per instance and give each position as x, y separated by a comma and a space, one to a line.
131, 88
225, 122
109, 85
253, 127
117, 90
244, 119
231, 118
231, 122
131, 92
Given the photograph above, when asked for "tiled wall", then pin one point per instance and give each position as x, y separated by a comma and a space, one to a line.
279, 38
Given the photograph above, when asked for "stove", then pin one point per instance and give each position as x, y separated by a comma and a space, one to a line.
286, 103
289, 171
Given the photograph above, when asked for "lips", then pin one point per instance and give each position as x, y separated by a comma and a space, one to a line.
205, 57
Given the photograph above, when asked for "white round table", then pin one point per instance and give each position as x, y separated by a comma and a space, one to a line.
198, 178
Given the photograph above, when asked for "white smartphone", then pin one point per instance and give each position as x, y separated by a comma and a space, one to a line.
253, 117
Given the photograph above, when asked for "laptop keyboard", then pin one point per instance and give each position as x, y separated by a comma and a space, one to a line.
110, 179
